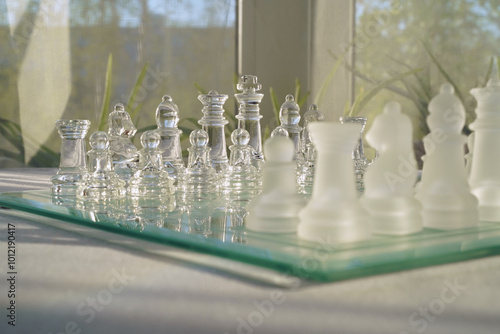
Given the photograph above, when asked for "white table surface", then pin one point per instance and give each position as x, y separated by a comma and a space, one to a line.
70, 283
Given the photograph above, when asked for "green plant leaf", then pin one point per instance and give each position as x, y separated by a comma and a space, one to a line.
267, 133
276, 107
200, 89
356, 102
372, 81
135, 89
359, 106
147, 128
107, 94
443, 71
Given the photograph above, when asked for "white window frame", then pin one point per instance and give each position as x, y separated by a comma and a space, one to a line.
281, 40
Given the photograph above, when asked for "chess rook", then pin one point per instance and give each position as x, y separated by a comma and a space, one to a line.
73, 161
334, 214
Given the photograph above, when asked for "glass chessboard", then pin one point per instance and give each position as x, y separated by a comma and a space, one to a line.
207, 228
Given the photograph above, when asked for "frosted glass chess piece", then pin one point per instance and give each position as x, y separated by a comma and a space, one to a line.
73, 161
199, 182
390, 181
485, 168
305, 169
213, 122
444, 189
249, 114
150, 185
101, 183
289, 119
167, 119
334, 213
275, 209
120, 131
361, 163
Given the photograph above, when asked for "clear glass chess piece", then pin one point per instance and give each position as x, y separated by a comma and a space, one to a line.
101, 183
213, 123
305, 169
199, 182
289, 119
151, 186
73, 161
249, 114
120, 131
241, 180
361, 162
167, 119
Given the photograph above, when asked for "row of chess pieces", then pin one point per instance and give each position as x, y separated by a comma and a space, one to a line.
308, 182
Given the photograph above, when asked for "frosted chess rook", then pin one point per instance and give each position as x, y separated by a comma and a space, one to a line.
334, 214
390, 180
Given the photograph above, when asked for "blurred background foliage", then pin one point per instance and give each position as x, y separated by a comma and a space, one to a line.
441, 41
184, 47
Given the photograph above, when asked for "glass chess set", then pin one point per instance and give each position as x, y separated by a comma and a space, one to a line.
306, 202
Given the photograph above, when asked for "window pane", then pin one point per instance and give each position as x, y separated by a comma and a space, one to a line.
54, 56
439, 39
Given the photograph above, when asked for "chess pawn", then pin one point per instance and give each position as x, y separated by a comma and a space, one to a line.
240, 179
199, 180
120, 131
101, 183
334, 213
167, 119
240, 183
289, 119
275, 209
213, 123
485, 165
150, 184
444, 189
73, 162
305, 169
249, 114
390, 181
